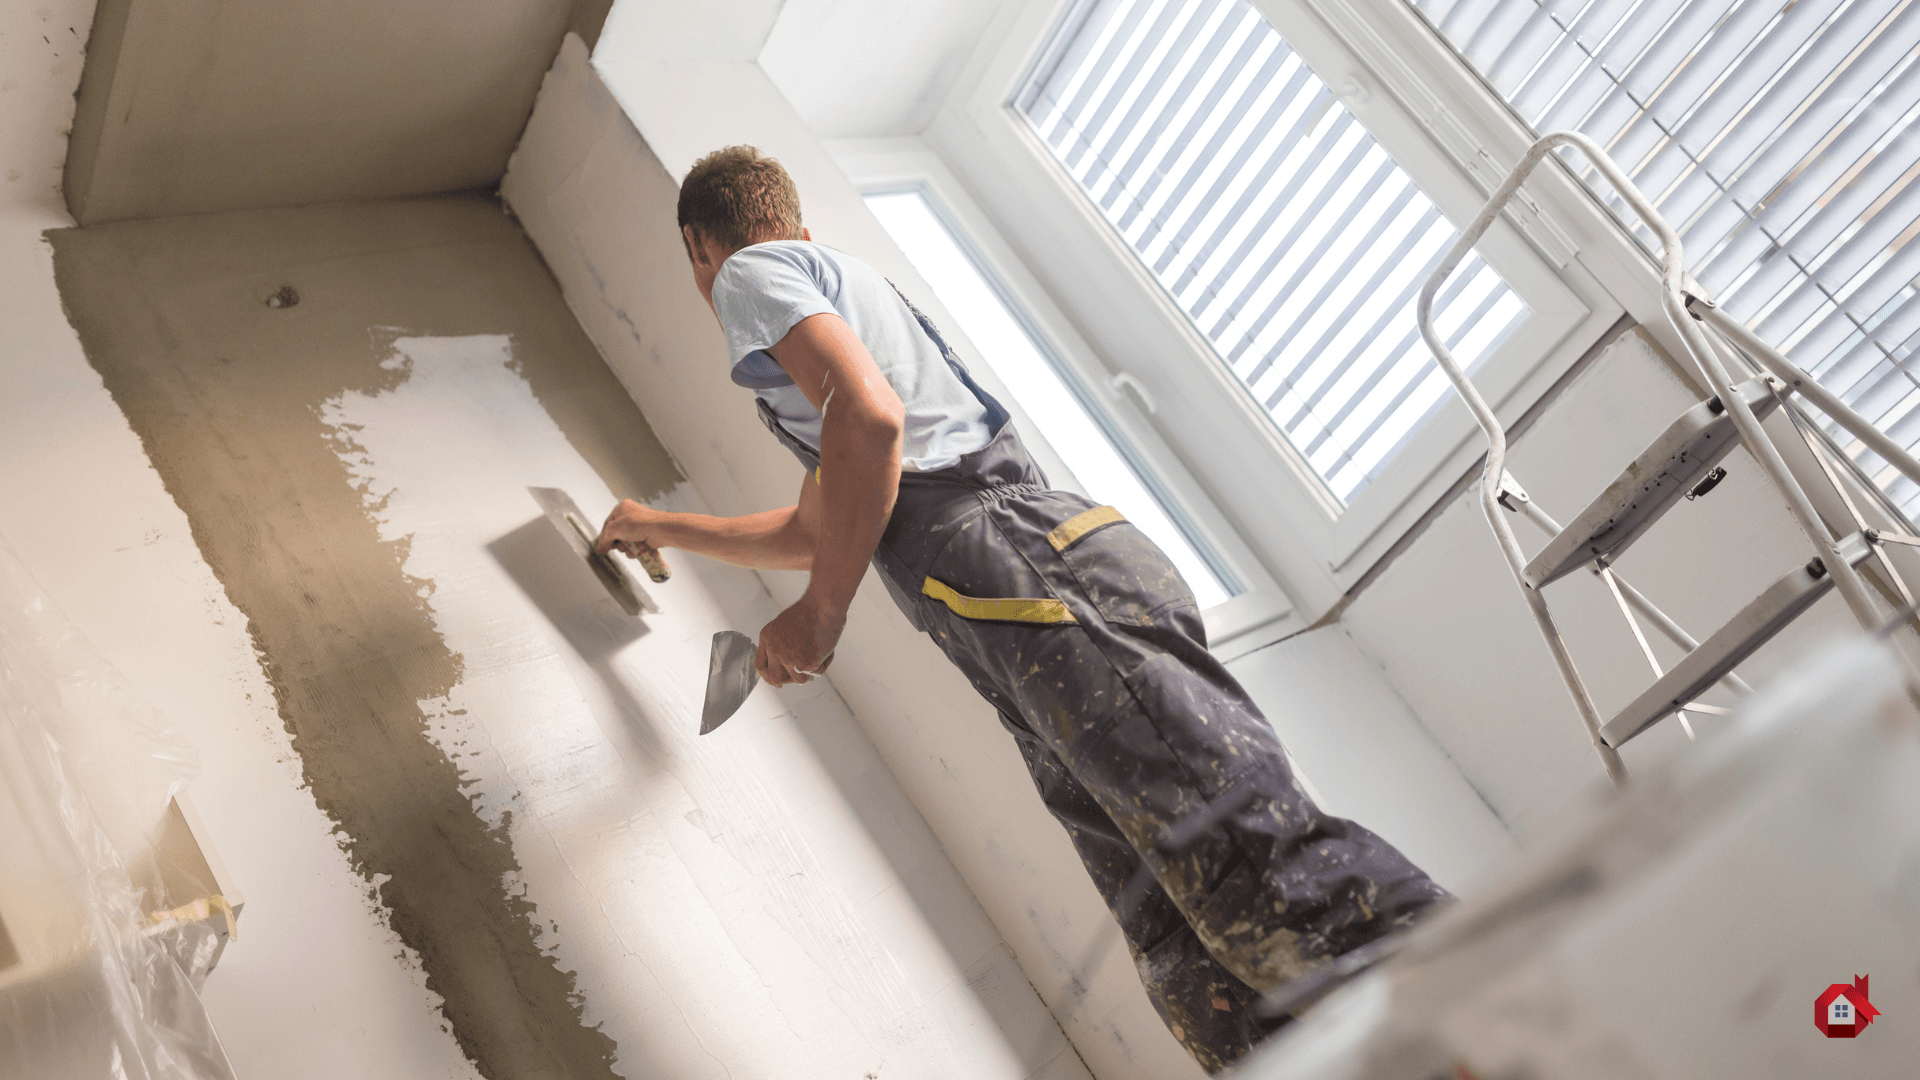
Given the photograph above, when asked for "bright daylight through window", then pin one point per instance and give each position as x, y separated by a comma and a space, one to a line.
1778, 137
1283, 230
1011, 352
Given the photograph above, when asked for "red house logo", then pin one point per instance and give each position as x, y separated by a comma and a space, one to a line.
1843, 1011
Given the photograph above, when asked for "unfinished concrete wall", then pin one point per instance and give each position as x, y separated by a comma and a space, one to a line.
194, 106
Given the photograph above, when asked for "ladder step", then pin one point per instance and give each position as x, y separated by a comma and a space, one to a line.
1656, 480
1758, 622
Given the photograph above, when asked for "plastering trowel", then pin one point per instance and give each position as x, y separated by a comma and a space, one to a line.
618, 579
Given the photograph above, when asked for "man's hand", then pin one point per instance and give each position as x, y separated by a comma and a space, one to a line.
798, 643
631, 528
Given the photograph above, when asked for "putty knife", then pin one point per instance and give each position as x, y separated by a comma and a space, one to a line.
730, 678
619, 581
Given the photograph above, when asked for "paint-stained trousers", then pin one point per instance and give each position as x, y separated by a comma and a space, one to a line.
1085, 638
1128, 724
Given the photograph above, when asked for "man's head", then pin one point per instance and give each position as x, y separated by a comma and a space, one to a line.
735, 198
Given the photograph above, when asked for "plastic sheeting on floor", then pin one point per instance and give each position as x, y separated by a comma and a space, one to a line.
91, 984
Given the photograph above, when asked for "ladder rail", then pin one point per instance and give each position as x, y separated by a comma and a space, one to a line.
1851, 585
1805, 385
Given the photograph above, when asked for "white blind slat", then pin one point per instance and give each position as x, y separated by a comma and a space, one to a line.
1777, 136
1290, 238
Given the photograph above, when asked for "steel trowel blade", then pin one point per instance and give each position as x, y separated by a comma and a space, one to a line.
620, 583
730, 678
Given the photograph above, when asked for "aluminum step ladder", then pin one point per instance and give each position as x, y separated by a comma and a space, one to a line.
1682, 463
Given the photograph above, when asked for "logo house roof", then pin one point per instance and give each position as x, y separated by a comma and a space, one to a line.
1856, 996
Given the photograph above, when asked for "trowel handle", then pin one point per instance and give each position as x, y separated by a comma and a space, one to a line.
649, 558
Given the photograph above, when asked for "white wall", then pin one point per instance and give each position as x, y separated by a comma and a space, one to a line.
870, 67
598, 200
1367, 756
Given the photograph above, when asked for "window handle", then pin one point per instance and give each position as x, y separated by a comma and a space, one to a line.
1121, 381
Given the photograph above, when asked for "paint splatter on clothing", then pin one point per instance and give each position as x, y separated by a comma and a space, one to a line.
1091, 647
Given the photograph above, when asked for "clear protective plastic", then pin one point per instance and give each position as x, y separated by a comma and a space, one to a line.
1682, 930
102, 945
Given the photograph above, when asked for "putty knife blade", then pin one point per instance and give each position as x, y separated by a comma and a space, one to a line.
619, 581
730, 678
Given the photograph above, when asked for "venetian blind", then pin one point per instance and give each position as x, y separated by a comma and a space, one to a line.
1778, 137
1291, 239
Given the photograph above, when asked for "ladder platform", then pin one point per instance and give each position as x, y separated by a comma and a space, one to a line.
1655, 481
1769, 613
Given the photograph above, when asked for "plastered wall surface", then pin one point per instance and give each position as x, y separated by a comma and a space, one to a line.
90, 517
510, 766
599, 203
88, 514
194, 106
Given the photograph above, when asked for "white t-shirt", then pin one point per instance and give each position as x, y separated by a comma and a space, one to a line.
762, 291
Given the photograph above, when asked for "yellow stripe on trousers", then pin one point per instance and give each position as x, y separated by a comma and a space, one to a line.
1007, 609
1069, 532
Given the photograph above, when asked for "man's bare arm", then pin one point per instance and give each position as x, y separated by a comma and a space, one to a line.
860, 440
780, 539
834, 528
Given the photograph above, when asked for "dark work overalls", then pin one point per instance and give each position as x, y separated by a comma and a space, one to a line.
1085, 638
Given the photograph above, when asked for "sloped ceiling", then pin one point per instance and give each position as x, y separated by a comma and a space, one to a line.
859, 68
198, 106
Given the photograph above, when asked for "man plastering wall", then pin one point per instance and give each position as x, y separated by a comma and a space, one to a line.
1064, 616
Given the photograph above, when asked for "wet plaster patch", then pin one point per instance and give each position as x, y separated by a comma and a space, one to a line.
714, 879
226, 393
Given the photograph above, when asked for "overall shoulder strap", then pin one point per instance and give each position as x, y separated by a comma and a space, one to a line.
996, 413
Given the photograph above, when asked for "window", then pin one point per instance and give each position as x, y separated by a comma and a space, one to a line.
1020, 362
1282, 229
1778, 137
1229, 205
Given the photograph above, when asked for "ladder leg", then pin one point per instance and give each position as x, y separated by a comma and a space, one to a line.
1851, 585
1646, 650
1492, 486
1577, 687
1808, 387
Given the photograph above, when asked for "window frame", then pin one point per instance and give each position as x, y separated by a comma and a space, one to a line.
1317, 549
1261, 612
1482, 134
